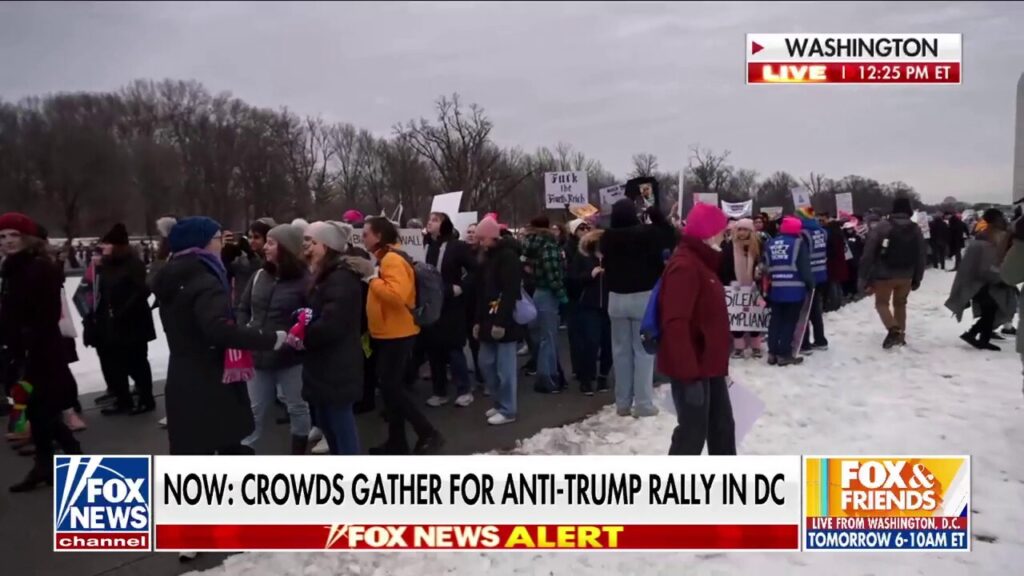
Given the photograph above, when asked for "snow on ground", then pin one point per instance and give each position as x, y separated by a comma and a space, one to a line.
937, 396
87, 370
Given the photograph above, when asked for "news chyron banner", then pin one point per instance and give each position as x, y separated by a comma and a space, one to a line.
854, 58
476, 503
887, 503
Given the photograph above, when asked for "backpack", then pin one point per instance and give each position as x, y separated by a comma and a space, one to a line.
899, 248
650, 326
429, 291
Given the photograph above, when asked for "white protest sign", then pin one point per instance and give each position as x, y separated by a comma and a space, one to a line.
462, 221
706, 198
611, 195
447, 204
773, 212
801, 197
844, 204
411, 239
746, 407
738, 209
747, 309
565, 188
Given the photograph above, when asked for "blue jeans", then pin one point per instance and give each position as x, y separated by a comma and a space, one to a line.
545, 333
338, 424
634, 367
586, 333
781, 328
286, 384
500, 370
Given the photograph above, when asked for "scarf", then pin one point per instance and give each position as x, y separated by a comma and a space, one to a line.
238, 364
745, 256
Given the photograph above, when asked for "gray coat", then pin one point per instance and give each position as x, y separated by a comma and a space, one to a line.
873, 268
269, 304
979, 268
1012, 272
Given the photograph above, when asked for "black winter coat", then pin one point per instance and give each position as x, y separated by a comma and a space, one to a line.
634, 256
957, 234
449, 332
123, 316
585, 290
270, 304
204, 415
332, 371
31, 346
499, 282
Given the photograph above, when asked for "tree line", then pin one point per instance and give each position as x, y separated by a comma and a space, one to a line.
80, 161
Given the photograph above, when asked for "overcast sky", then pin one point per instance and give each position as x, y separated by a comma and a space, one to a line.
612, 79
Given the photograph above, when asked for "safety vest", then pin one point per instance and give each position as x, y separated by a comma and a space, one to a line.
786, 283
818, 241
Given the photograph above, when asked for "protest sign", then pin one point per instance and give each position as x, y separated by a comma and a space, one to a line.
801, 197
611, 195
747, 309
844, 204
447, 204
412, 243
706, 198
738, 209
583, 211
462, 220
773, 212
563, 189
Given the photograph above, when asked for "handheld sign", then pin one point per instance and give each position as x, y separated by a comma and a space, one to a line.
563, 189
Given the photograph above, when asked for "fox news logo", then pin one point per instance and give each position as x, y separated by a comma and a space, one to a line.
101, 503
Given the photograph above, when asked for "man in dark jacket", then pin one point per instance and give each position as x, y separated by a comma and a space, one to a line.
122, 326
938, 237
499, 285
957, 238
694, 346
893, 264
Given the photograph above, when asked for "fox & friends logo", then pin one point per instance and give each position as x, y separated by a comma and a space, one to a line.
887, 502
102, 503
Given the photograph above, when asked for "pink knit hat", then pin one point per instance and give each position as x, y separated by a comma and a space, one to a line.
791, 226
488, 228
705, 221
353, 217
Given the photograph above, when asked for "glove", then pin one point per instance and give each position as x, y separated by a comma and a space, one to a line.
476, 331
457, 290
497, 332
282, 338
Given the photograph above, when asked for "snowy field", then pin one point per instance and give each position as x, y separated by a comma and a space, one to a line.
87, 369
937, 396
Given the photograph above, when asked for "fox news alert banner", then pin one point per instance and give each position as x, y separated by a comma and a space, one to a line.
853, 58
887, 503
476, 502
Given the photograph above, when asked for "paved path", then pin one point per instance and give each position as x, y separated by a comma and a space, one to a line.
26, 525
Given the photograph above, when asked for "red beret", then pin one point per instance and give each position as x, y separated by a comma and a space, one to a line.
19, 222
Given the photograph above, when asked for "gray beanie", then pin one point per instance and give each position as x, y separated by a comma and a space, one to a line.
164, 225
288, 236
335, 235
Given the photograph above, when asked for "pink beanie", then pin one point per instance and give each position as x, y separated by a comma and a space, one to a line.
353, 217
488, 228
791, 226
705, 221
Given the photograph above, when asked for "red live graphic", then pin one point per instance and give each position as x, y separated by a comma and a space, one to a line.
853, 73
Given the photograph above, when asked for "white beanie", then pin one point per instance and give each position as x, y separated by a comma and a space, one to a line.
300, 223
164, 225
334, 235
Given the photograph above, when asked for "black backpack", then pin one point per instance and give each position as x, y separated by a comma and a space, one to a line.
899, 248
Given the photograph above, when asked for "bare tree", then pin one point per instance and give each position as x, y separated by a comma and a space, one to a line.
710, 171
644, 164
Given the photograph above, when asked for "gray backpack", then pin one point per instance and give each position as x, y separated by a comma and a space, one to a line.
429, 291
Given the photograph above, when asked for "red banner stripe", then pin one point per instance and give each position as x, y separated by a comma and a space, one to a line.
630, 537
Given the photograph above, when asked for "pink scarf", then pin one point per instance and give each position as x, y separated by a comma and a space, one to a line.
744, 261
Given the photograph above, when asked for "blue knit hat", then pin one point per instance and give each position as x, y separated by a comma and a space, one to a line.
193, 232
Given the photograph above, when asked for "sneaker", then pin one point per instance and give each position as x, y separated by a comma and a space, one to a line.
315, 435
602, 383
737, 354
1009, 331
988, 346
321, 446
437, 401
996, 336
531, 372
624, 412
491, 412
73, 421
499, 419
823, 346
758, 354
645, 412
772, 360
429, 444
790, 361
464, 400
162, 422
523, 351
587, 388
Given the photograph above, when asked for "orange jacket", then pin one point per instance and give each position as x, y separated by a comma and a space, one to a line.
391, 299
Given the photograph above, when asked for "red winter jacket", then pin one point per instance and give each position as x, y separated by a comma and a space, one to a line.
694, 321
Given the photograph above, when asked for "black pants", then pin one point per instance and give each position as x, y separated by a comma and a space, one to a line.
817, 319
586, 333
393, 357
369, 380
956, 259
119, 363
986, 323
939, 253
48, 427
704, 414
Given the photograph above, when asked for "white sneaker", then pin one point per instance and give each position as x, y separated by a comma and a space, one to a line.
437, 401
525, 350
321, 447
315, 435
464, 400
163, 424
499, 419
491, 412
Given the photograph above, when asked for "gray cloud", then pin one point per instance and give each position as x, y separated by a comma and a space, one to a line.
613, 79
